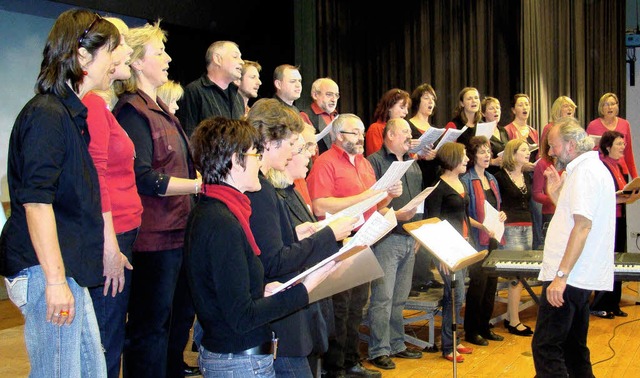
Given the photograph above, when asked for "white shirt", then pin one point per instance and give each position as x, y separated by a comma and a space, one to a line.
588, 191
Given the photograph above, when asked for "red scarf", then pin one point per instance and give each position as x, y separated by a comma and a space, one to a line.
616, 171
238, 203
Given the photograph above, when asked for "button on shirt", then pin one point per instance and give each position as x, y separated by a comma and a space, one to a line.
49, 163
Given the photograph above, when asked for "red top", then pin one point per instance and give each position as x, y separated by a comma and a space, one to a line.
374, 138
333, 175
538, 187
301, 186
513, 133
596, 127
113, 154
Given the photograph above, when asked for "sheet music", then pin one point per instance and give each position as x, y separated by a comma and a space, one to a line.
324, 131
373, 229
428, 138
444, 241
355, 210
486, 129
419, 199
393, 174
451, 135
492, 220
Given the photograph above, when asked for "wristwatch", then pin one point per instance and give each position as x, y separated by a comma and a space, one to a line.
560, 274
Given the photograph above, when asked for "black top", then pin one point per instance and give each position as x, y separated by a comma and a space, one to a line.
411, 182
203, 99
429, 168
515, 201
491, 198
447, 204
497, 146
49, 163
227, 282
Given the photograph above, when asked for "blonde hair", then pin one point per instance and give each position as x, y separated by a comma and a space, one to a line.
510, 149
556, 108
170, 91
603, 99
137, 39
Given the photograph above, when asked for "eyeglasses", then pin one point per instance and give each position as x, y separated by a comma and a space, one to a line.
87, 30
609, 104
332, 95
356, 133
256, 155
307, 147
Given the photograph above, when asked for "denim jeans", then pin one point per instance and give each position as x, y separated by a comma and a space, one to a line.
292, 367
229, 365
447, 310
149, 322
559, 343
111, 312
537, 224
72, 350
422, 272
518, 238
389, 293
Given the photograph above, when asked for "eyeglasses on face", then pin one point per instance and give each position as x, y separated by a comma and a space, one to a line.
609, 104
256, 155
332, 95
87, 30
356, 133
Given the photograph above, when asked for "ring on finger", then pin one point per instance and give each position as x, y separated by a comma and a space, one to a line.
56, 314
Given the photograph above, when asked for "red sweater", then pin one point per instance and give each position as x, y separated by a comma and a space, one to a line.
113, 153
628, 163
374, 138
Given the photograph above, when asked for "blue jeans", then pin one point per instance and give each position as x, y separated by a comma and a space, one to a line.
389, 293
72, 350
559, 344
518, 238
537, 224
292, 367
229, 365
111, 312
447, 310
149, 323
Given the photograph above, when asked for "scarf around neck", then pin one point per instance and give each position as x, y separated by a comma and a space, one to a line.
238, 203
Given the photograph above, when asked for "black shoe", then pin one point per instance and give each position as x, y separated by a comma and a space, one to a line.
191, 371
490, 335
433, 284
514, 329
409, 354
619, 313
603, 314
383, 362
358, 370
333, 374
476, 339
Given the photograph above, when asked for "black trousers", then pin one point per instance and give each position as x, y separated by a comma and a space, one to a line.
559, 343
343, 347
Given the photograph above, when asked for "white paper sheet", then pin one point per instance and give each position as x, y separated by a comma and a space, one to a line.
324, 131
419, 200
355, 210
393, 174
444, 241
451, 135
428, 138
492, 220
486, 129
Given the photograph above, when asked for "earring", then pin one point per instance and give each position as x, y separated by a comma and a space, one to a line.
84, 72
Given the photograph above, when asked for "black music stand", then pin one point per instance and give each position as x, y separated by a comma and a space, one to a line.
470, 257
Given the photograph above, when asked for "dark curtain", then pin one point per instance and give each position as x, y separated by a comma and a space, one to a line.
449, 44
572, 48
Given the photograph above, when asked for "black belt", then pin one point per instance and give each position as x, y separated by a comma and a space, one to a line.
260, 349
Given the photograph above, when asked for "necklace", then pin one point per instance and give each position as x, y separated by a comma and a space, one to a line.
522, 186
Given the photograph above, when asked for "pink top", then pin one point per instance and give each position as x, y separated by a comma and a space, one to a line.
113, 154
628, 163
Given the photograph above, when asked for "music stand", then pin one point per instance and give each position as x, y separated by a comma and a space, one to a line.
469, 257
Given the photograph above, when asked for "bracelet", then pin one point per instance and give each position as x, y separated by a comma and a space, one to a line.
57, 284
197, 187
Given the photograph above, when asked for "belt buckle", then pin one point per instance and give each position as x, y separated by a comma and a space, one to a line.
274, 345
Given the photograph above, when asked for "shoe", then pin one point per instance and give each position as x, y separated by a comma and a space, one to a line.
603, 314
191, 371
383, 362
433, 284
520, 332
333, 374
358, 370
459, 358
464, 350
619, 313
490, 335
476, 339
409, 354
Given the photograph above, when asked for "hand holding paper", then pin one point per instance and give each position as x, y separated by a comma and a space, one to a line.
393, 174
492, 221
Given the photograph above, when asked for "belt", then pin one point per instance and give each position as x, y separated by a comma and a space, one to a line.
264, 348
